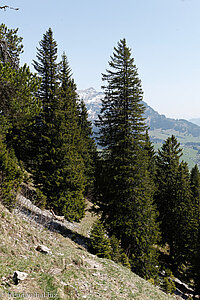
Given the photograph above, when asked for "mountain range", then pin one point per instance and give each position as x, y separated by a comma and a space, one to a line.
160, 127
154, 120
195, 121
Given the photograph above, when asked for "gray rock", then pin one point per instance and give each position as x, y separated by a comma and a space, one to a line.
17, 276
43, 249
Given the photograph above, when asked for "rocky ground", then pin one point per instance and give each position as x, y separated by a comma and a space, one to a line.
65, 270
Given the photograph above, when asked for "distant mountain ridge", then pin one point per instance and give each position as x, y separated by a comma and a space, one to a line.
161, 127
158, 121
195, 121
154, 120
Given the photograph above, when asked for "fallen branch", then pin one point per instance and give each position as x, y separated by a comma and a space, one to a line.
59, 218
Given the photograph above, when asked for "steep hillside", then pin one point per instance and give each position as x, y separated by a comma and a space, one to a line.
161, 127
68, 271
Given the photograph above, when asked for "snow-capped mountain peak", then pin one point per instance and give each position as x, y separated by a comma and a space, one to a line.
92, 99
154, 120
90, 95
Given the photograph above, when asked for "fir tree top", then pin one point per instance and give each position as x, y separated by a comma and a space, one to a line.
121, 116
46, 66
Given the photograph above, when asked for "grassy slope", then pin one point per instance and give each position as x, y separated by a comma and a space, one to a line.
70, 272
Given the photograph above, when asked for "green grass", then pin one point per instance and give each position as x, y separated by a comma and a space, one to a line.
48, 284
70, 272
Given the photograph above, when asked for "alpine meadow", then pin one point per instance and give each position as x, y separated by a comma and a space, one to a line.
144, 203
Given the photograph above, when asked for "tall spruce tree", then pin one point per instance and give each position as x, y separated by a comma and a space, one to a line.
73, 186
126, 191
82, 134
18, 86
195, 245
196, 266
47, 68
45, 131
151, 155
173, 198
183, 218
59, 170
19, 107
195, 188
89, 151
167, 170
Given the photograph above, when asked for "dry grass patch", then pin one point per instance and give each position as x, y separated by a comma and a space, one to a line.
69, 272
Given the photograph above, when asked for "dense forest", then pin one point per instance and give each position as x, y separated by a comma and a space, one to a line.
148, 202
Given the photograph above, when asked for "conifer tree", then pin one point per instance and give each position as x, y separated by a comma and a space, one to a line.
18, 86
19, 107
167, 170
85, 144
183, 230
196, 266
45, 131
60, 166
89, 152
100, 244
10, 46
73, 186
47, 68
126, 192
151, 155
195, 245
195, 188
173, 198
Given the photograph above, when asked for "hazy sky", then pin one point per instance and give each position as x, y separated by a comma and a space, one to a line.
164, 36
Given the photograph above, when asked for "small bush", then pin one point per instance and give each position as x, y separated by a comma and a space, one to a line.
71, 204
100, 244
106, 247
